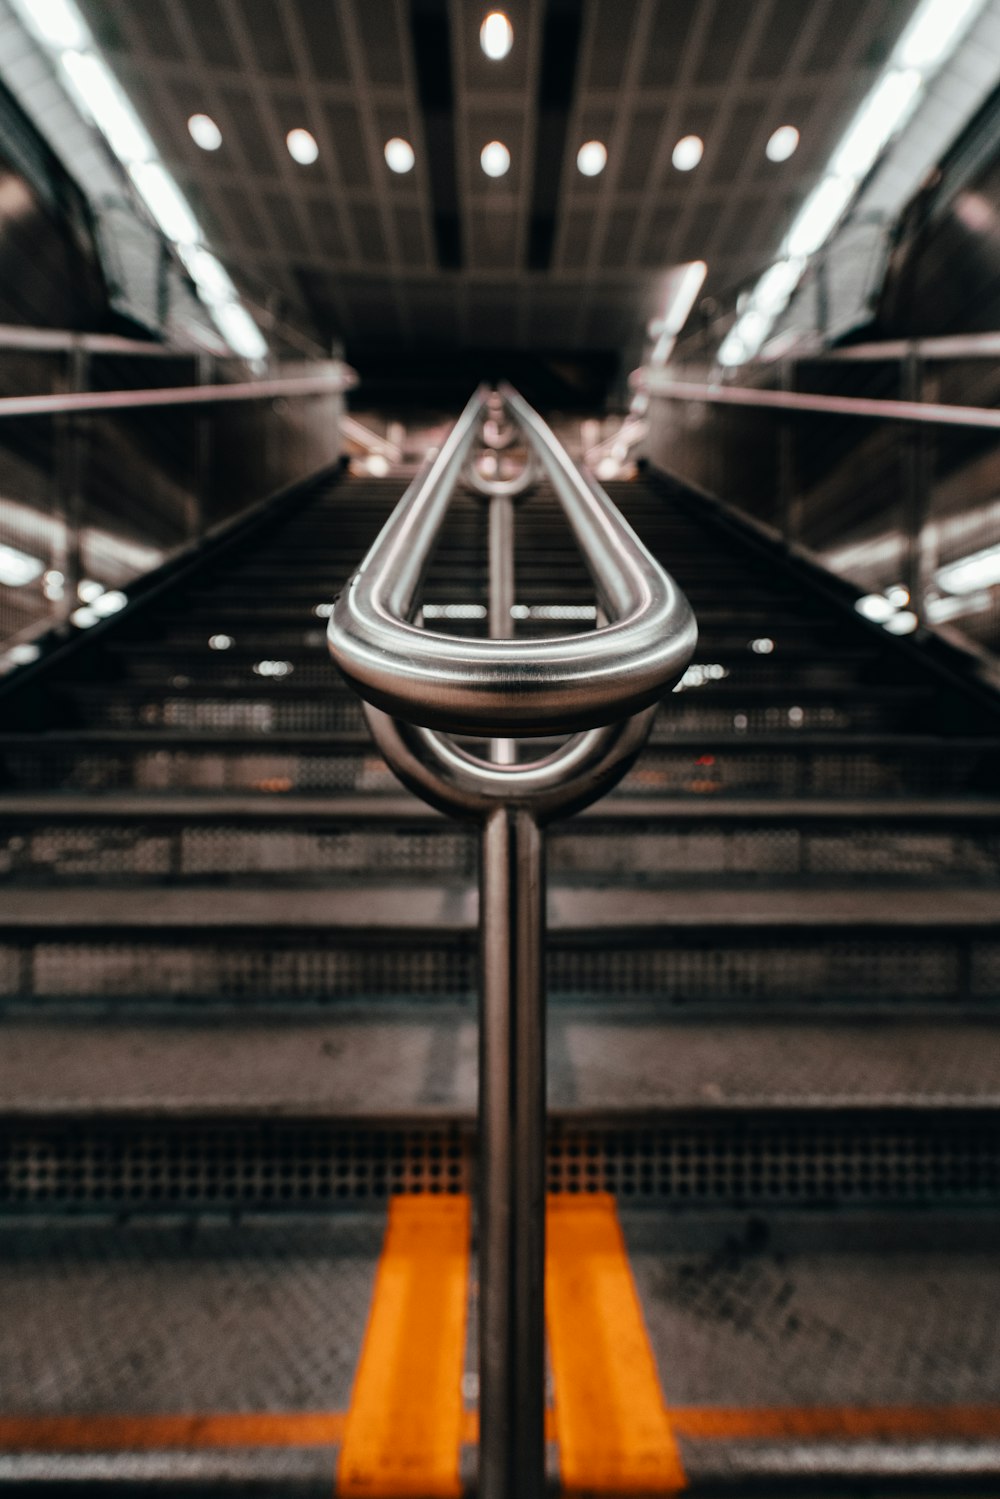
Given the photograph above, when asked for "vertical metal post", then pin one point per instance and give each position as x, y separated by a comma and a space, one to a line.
788, 501
511, 1112
201, 498
916, 465
512, 1159
501, 569
70, 465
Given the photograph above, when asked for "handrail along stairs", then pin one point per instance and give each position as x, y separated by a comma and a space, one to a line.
602, 689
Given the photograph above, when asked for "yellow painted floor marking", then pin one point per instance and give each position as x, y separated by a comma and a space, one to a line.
613, 1430
158, 1433
404, 1426
832, 1422
326, 1428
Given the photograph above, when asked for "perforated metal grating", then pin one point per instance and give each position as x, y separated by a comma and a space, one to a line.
234, 970
705, 769
800, 1163
251, 1165
177, 851
174, 851
725, 969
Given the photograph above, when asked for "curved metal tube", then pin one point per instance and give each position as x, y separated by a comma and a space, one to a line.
555, 785
499, 688
490, 488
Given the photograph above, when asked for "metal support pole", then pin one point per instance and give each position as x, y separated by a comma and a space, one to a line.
71, 443
201, 506
916, 464
512, 1159
788, 500
501, 567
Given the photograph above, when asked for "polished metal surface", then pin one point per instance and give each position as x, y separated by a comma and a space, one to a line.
601, 688
503, 687
339, 377
659, 384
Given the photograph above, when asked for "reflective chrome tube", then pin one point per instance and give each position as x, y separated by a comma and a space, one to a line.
601, 689
503, 688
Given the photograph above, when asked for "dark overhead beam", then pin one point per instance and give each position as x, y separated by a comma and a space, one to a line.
556, 83
431, 35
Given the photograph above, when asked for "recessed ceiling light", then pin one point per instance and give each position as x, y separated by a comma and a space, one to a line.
205, 132
592, 158
496, 35
302, 147
399, 155
688, 152
57, 23
782, 143
495, 159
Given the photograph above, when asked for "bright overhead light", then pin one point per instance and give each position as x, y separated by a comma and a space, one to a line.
302, 147
58, 23
934, 31
876, 607
666, 329
688, 152
88, 589
495, 159
774, 288
782, 143
818, 215
209, 276
165, 202
18, 569
109, 603
967, 574
496, 35
876, 121
940, 611
24, 654
592, 158
903, 623
377, 465
102, 100
205, 132
399, 155
239, 330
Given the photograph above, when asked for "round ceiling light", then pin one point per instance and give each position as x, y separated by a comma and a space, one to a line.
495, 159
782, 143
496, 35
205, 132
688, 152
399, 155
592, 158
302, 147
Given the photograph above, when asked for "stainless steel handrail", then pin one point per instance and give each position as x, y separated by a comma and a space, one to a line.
338, 378
503, 687
929, 413
601, 689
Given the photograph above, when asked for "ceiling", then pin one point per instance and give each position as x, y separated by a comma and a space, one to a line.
445, 258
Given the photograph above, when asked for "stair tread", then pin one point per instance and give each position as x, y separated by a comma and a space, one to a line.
452, 907
424, 1064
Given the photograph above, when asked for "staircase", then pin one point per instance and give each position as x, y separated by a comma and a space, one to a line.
237, 1079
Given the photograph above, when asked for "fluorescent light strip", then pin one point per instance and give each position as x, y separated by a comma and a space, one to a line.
100, 99
933, 34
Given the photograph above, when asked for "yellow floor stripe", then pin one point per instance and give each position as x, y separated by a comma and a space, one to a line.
404, 1425
150, 1433
613, 1430
161, 1433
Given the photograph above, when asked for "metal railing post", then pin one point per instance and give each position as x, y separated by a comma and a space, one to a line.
512, 1159
916, 488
